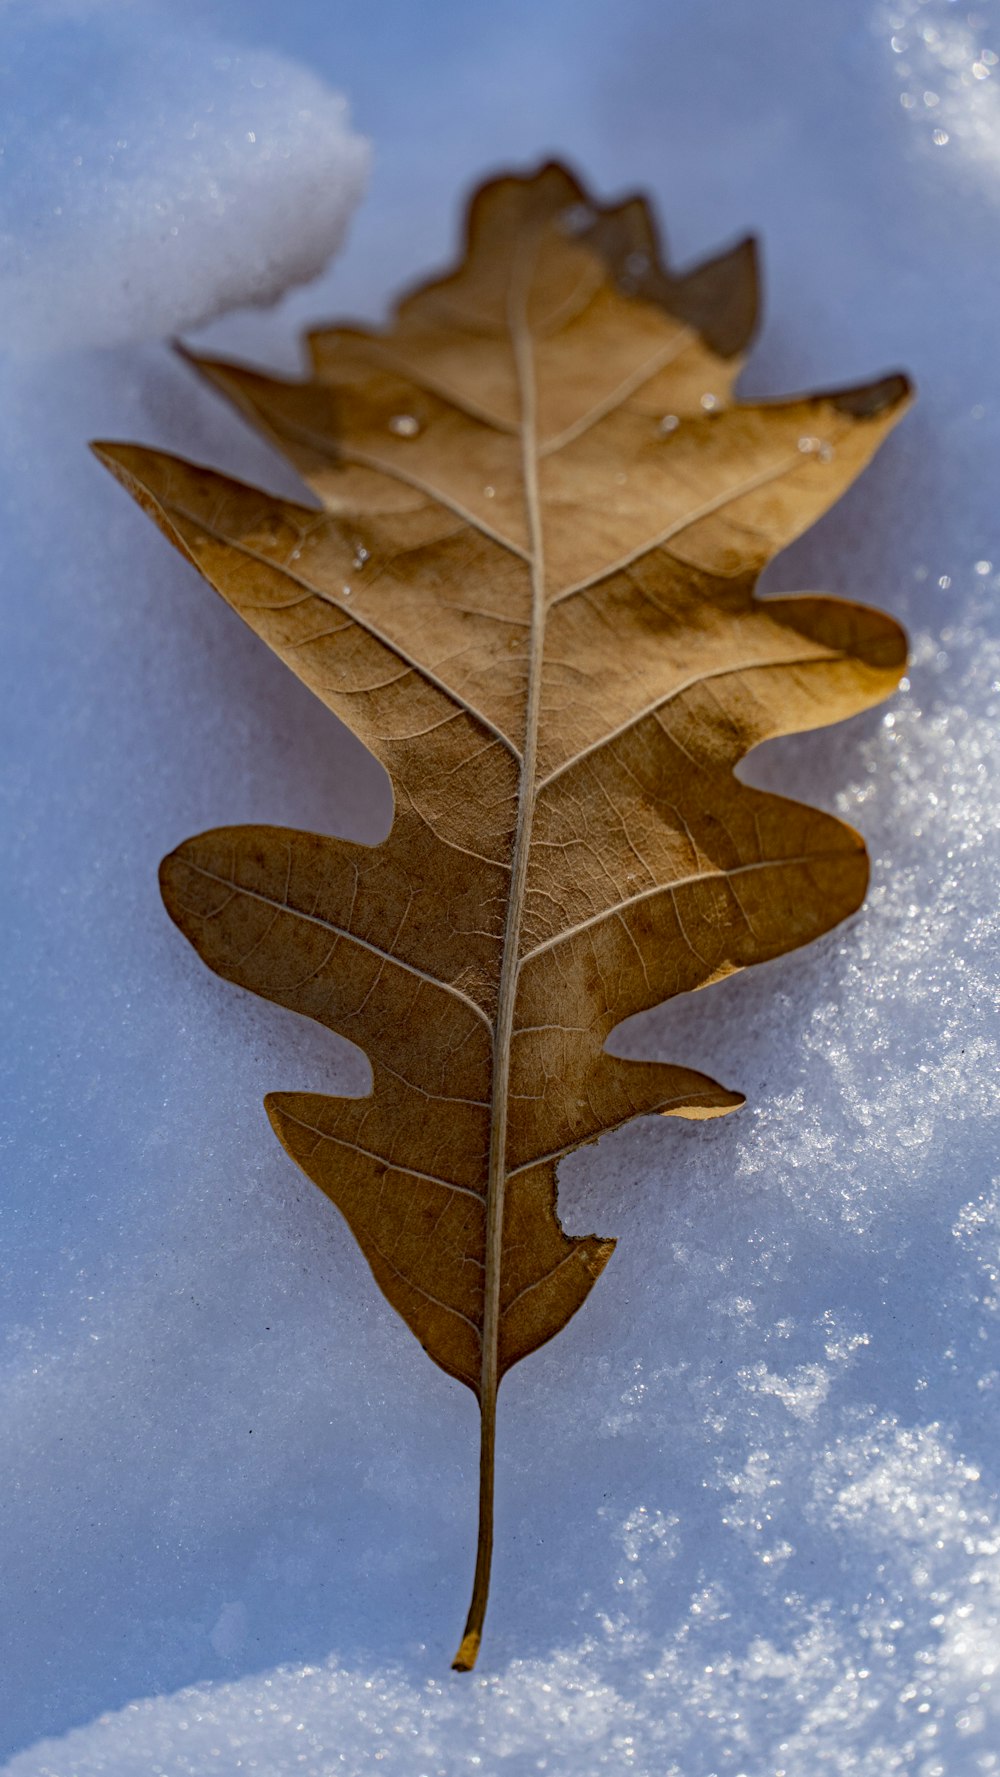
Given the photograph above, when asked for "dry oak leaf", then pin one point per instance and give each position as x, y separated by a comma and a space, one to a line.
527, 584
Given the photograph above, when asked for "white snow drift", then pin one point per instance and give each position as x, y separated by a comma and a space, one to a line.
154, 177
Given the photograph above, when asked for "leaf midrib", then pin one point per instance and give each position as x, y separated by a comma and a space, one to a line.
443, 391
397, 472
522, 344
507, 991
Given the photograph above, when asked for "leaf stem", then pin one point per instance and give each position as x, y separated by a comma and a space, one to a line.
497, 1178
465, 1659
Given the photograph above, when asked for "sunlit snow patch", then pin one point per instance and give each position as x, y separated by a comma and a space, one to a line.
155, 176
903, 1683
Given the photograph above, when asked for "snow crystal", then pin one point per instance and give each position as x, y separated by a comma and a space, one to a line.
152, 179
747, 1513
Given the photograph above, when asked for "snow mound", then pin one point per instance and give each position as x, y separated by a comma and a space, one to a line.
155, 177
850, 1695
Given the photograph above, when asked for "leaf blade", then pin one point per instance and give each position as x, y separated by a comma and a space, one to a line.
529, 588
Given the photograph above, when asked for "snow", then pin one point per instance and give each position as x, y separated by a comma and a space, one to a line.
155, 179
747, 1513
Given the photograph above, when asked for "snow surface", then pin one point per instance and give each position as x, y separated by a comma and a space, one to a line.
748, 1515
153, 179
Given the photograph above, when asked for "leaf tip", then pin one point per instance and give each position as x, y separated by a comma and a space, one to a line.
721, 298
869, 401
600, 1253
167, 875
108, 453
719, 1103
212, 370
274, 1108
141, 471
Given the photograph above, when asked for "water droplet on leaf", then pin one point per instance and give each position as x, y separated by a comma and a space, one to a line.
576, 218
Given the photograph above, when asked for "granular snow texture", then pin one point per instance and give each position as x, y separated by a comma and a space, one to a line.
153, 178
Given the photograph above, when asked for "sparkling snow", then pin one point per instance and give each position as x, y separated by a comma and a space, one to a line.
748, 1516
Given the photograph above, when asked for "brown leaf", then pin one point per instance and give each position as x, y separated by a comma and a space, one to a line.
528, 586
